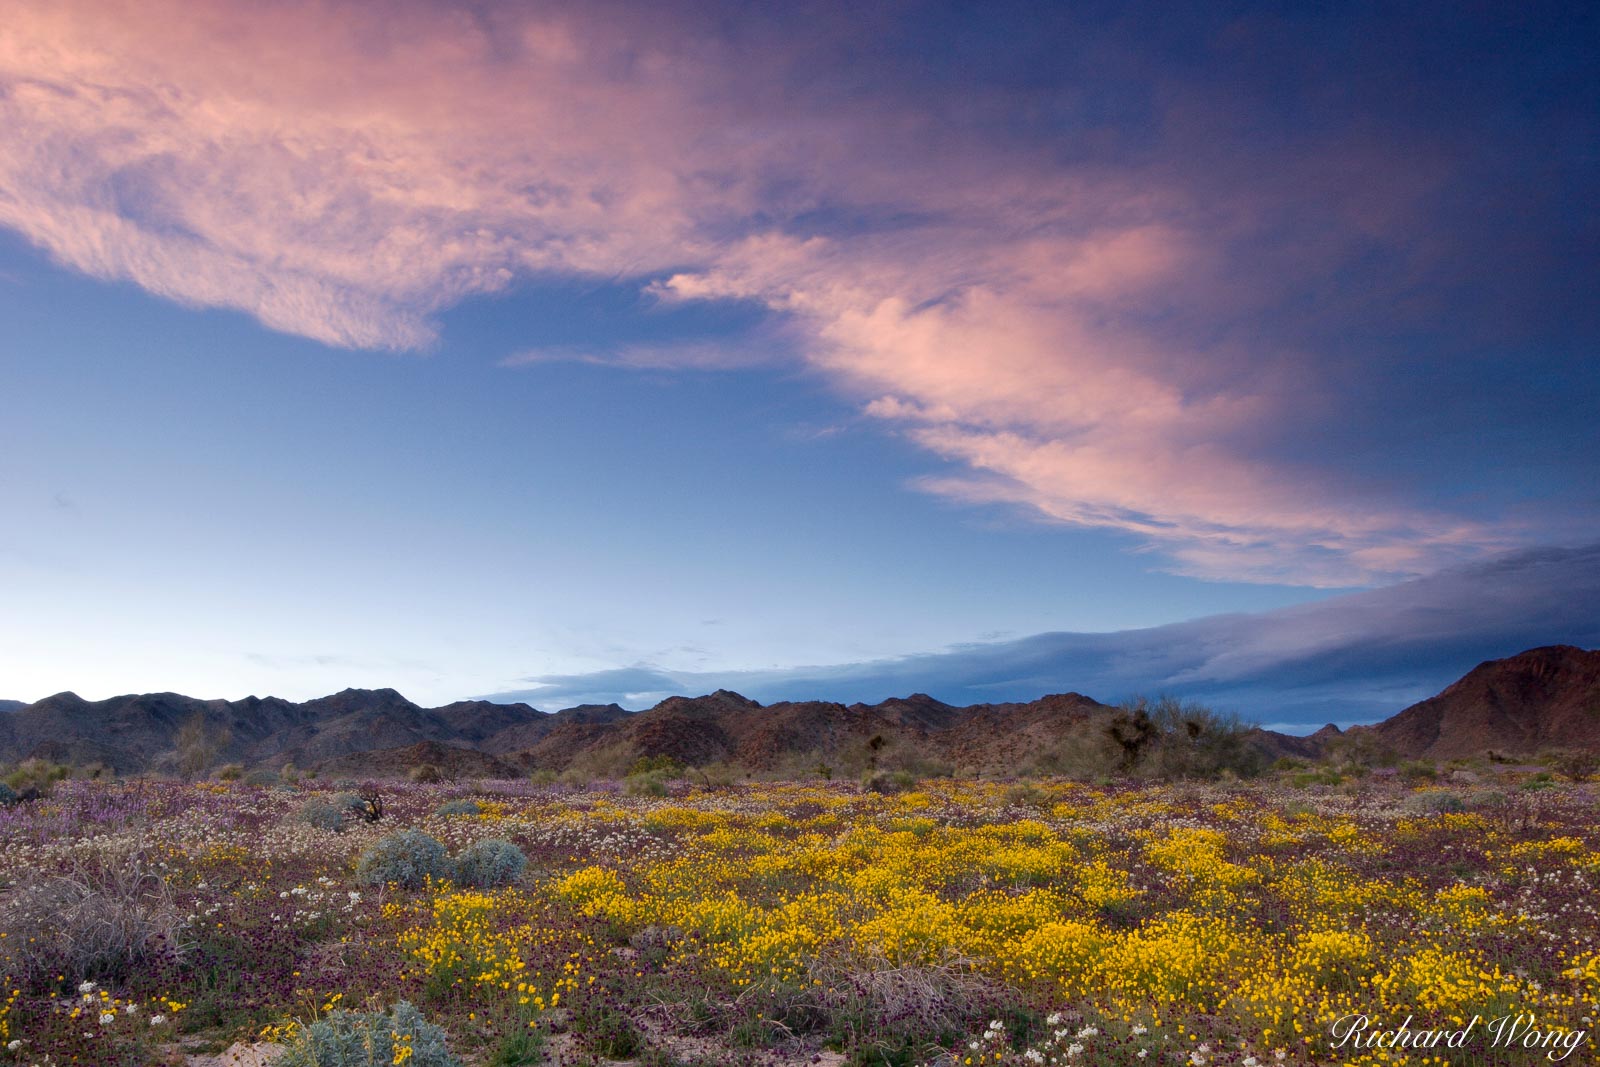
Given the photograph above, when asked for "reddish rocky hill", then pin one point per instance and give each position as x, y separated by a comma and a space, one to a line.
1540, 699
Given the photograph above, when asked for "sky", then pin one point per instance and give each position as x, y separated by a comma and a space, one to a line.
596, 351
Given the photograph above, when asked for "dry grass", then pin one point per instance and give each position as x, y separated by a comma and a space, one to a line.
98, 922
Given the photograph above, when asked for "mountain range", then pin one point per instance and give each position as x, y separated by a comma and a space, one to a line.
1543, 698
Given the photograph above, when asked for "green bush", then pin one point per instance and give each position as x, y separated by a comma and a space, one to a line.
665, 765
406, 857
459, 807
230, 772
369, 1039
652, 784
262, 777
1418, 770
37, 774
487, 864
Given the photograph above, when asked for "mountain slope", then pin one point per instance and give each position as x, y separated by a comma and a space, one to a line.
1542, 698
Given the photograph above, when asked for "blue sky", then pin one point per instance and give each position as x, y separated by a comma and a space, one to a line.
496, 350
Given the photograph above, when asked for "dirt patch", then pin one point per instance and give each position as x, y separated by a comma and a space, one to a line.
239, 1054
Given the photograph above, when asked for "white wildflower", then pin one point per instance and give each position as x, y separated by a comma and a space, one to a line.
107, 1017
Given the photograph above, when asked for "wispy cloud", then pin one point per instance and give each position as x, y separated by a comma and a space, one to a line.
1078, 332
1351, 658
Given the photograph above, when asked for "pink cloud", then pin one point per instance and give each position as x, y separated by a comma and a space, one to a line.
343, 172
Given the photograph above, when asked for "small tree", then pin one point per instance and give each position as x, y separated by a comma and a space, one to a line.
198, 745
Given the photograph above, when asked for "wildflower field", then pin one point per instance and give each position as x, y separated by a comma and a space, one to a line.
963, 923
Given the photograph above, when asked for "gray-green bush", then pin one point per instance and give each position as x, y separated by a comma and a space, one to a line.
330, 813
487, 864
406, 857
368, 1039
459, 807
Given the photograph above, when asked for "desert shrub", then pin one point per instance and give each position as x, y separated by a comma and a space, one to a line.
330, 813
261, 776
101, 922
459, 807
652, 784
320, 814
1319, 776
1359, 747
1432, 802
716, 775
406, 857
1576, 765
543, 776
1542, 780
7, 794
903, 1015
1024, 794
664, 765
425, 773
1418, 770
892, 782
198, 743
486, 864
369, 1039
37, 775
230, 772
1185, 741
575, 778
1084, 752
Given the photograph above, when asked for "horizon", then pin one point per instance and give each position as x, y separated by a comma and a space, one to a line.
1244, 355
